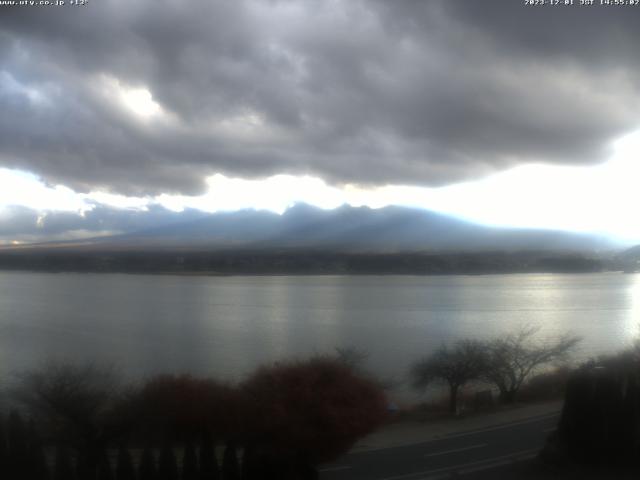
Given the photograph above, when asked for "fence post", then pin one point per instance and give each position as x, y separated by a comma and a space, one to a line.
18, 446
168, 469
147, 468
38, 469
189, 462
4, 455
124, 465
207, 455
230, 467
104, 467
63, 469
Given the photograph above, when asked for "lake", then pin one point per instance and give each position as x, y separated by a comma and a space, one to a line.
226, 326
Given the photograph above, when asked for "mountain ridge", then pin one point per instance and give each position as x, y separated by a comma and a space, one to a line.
348, 229
306, 240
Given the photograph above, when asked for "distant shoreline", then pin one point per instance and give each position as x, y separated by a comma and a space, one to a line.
291, 263
299, 274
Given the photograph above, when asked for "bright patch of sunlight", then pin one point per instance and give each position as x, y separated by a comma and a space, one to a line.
117, 201
27, 190
601, 199
140, 102
276, 193
631, 327
136, 100
23, 189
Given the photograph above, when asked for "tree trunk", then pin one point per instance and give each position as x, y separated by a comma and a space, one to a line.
453, 399
508, 396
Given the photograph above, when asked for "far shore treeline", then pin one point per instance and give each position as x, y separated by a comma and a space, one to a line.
302, 262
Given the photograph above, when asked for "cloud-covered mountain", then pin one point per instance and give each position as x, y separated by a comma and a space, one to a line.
631, 254
349, 229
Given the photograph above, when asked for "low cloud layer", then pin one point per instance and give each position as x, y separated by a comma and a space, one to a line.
149, 97
27, 225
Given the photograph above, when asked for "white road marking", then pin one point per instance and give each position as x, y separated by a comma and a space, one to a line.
335, 469
455, 450
499, 427
468, 467
498, 463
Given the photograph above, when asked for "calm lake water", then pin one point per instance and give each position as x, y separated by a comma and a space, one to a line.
225, 326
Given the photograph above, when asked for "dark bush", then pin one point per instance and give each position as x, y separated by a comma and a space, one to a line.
600, 421
184, 407
77, 406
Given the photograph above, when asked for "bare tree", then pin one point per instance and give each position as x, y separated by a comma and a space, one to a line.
67, 393
352, 356
514, 358
455, 366
74, 404
356, 359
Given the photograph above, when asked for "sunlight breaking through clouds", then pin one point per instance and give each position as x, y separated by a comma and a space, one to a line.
600, 199
140, 101
276, 193
24, 189
136, 100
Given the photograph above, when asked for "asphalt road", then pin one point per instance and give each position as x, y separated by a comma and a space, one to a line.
459, 454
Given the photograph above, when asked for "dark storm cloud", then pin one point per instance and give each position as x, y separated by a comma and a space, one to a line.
353, 91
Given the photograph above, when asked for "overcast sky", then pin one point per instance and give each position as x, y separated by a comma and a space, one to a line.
495, 111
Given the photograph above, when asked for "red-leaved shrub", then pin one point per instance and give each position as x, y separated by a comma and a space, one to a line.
315, 409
